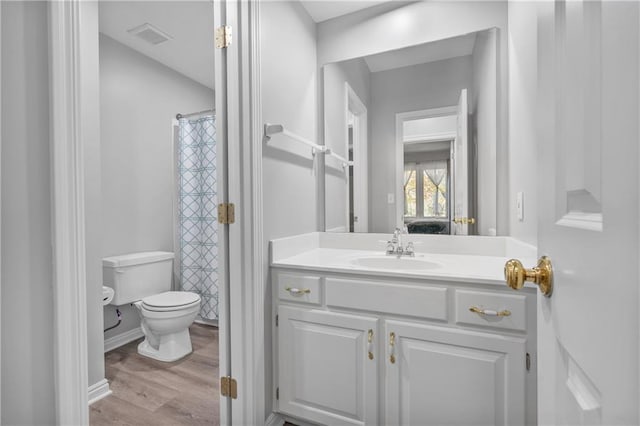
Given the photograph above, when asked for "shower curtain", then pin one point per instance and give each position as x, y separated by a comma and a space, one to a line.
197, 216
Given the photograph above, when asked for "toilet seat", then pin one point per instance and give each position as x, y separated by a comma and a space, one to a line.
170, 301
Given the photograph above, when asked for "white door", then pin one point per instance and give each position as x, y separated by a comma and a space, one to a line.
588, 86
360, 160
461, 168
446, 376
327, 366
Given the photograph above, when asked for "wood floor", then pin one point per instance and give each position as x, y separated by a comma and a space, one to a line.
149, 392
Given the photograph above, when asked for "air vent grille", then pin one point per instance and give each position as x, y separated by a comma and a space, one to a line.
150, 34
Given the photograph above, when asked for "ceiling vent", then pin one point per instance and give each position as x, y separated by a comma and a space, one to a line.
150, 34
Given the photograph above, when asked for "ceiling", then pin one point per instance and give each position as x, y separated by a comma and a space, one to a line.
322, 10
189, 23
422, 54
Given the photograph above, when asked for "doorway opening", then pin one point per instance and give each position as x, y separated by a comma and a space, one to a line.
425, 163
161, 177
358, 152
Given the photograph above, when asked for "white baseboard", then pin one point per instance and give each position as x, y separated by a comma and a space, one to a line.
274, 420
278, 419
99, 390
122, 339
204, 321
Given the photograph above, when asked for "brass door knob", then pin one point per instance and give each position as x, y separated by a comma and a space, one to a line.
516, 275
464, 220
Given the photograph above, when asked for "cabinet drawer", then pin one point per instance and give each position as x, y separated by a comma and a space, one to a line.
493, 303
410, 300
299, 288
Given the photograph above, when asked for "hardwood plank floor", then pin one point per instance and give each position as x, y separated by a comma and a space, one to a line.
149, 392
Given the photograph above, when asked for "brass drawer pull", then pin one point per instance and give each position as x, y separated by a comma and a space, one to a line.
490, 313
392, 347
465, 220
370, 343
297, 291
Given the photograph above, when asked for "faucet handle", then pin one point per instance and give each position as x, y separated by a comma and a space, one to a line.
391, 247
396, 235
409, 250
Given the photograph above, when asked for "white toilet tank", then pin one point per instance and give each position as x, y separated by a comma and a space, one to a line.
137, 275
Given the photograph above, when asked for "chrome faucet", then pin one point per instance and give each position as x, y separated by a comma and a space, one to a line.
395, 246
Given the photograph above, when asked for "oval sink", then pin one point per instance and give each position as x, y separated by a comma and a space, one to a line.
395, 263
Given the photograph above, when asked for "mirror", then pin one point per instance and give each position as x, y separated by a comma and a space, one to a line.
411, 137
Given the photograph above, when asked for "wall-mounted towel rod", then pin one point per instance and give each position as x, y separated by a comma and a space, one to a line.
345, 163
272, 129
194, 114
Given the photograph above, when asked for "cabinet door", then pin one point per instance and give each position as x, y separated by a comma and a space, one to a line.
325, 372
448, 376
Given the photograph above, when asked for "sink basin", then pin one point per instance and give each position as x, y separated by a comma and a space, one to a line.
395, 263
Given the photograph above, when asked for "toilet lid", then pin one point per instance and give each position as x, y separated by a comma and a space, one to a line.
171, 299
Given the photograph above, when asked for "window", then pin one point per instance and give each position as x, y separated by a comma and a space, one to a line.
426, 190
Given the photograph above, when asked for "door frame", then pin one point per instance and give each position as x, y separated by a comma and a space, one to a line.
68, 213
355, 106
0, 209
401, 117
67, 85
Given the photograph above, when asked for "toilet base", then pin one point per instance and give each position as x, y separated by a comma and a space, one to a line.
171, 348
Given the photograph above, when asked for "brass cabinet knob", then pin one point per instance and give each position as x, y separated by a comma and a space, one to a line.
465, 220
516, 275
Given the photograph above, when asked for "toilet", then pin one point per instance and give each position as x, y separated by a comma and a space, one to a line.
144, 280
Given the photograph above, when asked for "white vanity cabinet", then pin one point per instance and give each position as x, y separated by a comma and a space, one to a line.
443, 376
326, 373
367, 350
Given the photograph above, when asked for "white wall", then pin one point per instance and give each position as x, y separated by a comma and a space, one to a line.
139, 98
27, 308
429, 127
483, 109
356, 73
390, 27
425, 86
289, 97
523, 63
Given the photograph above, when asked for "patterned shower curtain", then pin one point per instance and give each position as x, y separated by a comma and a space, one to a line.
198, 204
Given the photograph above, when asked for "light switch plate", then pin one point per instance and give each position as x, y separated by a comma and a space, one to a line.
520, 205
391, 198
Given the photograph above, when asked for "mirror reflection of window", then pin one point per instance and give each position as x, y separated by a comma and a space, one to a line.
410, 195
426, 194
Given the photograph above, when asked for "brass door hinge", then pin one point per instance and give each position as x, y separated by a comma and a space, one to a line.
226, 213
228, 387
277, 320
528, 362
223, 36
278, 393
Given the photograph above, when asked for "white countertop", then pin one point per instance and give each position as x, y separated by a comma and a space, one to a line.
343, 253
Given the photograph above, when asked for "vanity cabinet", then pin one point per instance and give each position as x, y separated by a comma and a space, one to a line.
373, 350
441, 376
327, 373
